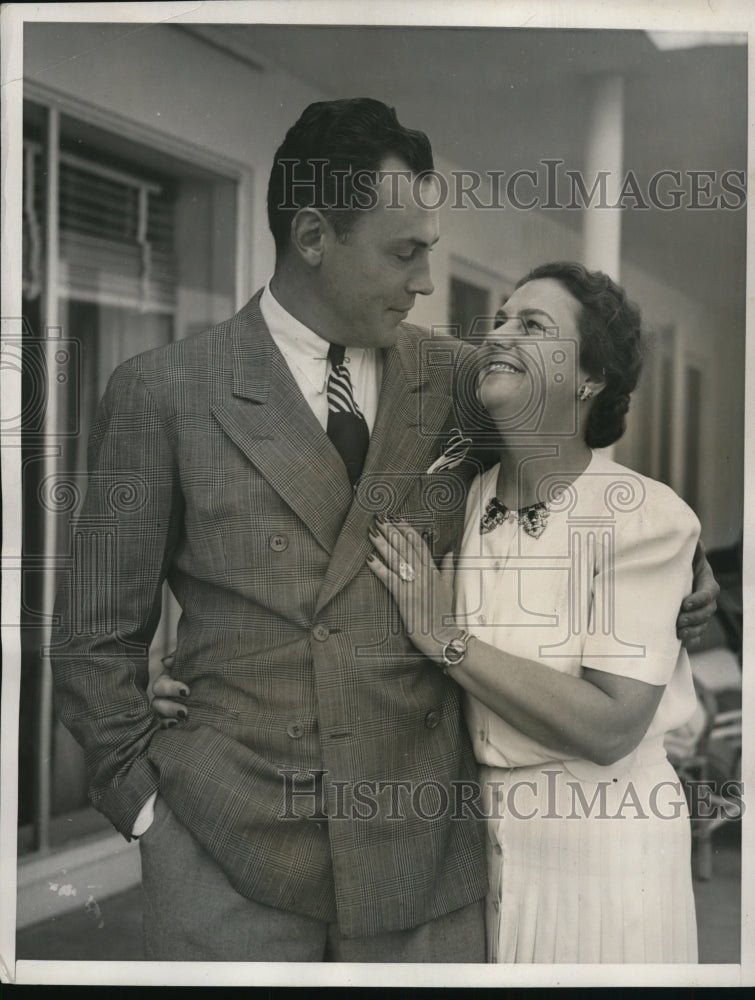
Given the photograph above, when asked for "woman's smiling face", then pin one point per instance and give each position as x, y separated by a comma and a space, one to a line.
533, 351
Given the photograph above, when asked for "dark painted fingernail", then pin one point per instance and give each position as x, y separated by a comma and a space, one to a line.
184, 692
170, 723
182, 713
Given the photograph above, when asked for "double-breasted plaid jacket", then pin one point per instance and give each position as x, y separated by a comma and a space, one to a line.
208, 469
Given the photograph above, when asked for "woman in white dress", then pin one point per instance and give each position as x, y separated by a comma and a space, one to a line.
566, 589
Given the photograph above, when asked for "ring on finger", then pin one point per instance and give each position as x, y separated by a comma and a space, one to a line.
406, 571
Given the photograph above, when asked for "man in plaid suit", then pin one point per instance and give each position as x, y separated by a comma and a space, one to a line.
312, 800
305, 693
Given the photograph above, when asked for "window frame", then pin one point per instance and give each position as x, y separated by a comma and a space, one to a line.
497, 284
56, 106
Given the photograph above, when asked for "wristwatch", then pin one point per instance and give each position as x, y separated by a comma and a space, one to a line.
455, 650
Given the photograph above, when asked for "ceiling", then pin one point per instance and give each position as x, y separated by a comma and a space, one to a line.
507, 98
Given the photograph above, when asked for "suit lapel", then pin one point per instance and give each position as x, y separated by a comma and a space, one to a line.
402, 444
269, 420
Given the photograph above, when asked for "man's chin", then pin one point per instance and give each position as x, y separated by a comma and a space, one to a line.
386, 337
391, 336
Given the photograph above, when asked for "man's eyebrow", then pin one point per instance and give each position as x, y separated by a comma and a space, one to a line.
416, 241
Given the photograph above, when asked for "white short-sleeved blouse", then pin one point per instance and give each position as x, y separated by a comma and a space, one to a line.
600, 588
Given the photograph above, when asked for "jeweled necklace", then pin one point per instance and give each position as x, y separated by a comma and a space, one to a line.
533, 519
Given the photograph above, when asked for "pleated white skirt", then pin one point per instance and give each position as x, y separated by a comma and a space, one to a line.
588, 870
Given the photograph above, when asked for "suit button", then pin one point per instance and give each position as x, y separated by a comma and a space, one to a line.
295, 730
278, 543
432, 719
321, 633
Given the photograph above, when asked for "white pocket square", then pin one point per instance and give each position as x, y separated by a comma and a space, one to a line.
453, 454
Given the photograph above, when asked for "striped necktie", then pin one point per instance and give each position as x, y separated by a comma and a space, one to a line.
347, 428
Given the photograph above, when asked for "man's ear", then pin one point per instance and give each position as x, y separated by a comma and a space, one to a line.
309, 231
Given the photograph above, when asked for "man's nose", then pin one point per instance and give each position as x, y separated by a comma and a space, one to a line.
420, 282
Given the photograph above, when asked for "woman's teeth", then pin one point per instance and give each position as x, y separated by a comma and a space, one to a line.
504, 366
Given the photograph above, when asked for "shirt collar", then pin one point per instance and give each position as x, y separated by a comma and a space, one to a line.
300, 345
283, 326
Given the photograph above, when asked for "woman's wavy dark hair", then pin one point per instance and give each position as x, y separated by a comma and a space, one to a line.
611, 344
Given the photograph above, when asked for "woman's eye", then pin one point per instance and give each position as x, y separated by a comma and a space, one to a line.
405, 256
532, 326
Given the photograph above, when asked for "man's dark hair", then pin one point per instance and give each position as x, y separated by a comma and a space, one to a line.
322, 152
611, 344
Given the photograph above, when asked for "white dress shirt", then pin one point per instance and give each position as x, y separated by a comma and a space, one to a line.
306, 354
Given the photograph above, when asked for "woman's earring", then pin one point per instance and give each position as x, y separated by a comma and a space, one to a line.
584, 392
